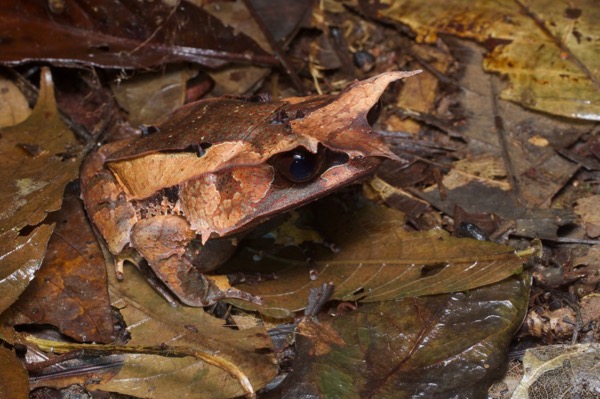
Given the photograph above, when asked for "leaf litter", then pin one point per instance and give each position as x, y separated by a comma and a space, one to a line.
454, 112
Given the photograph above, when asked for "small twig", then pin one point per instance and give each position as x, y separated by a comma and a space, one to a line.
501, 133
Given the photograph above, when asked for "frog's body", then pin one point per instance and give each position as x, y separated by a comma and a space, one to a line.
219, 167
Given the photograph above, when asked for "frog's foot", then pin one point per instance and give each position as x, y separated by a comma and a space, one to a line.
131, 256
162, 241
220, 287
194, 288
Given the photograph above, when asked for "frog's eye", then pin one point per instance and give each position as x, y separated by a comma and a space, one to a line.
299, 165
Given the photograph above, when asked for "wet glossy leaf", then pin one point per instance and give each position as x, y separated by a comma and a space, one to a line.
450, 345
120, 34
380, 261
21, 258
40, 156
548, 49
14, 381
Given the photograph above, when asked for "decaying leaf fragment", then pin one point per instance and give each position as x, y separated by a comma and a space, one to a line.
560, 371
588, 209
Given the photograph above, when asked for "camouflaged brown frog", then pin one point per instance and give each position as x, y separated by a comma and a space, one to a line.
181, 197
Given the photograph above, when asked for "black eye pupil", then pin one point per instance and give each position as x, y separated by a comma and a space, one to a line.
302, 166
299, 165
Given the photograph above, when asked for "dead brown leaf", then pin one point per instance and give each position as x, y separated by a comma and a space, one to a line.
73, 275
14, 382
14, 108
153, 322
33, 186
546, 48
122, 34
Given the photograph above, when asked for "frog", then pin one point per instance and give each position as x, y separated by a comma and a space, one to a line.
182, 197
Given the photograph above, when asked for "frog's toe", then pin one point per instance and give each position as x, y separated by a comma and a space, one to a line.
234, 293
220, 288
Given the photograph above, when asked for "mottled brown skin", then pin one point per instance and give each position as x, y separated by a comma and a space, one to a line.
214, 169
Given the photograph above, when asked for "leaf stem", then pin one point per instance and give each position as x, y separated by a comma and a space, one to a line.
162, 350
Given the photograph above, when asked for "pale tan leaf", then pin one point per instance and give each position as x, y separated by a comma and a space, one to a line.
13, 104
153, 322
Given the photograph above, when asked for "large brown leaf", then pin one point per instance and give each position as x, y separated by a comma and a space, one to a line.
152, 322
123, 34
70, 289
378, 261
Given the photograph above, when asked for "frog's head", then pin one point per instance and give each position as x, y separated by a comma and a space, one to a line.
289, 153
